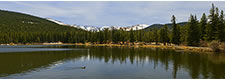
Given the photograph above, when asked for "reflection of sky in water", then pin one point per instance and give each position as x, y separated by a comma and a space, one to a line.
29, 46
32, 49
115, 63
100, 69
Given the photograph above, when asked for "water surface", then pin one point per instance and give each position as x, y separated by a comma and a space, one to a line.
74, 62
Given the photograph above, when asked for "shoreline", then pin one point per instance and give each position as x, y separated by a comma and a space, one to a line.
174, 47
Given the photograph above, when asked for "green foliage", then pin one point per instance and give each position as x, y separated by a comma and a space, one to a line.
23, 28
163, 35
184, 34
193, 38
155, 36
175, 31
132, 36
213, 24
203, 24
221, 27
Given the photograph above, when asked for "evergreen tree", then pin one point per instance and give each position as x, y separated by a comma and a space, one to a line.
203, 24
175, 32
167, 39
193, 32
155, 36
213, 23
221, 27
132, 36
163, 35
184, 34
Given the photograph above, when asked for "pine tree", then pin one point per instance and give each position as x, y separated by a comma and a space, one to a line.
163, 35
167, 39
155, 36
221, 27
175, 32
213, 23
203, 24
132, 36
193, 32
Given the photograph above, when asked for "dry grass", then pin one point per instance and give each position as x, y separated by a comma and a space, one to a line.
204, 43
138, 45
217, 46
222, 47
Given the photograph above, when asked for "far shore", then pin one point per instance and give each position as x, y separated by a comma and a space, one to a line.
175, 47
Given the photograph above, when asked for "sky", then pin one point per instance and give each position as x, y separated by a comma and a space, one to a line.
114, 13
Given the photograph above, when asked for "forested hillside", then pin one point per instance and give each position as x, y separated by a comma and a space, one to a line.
23, 28
17, 22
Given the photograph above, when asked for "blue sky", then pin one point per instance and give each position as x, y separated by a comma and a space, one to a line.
114, 13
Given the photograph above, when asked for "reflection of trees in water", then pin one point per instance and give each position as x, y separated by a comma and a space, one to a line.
11, 63
207, 65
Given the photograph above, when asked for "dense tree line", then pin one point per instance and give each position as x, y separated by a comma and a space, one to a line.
22, 28
207, 29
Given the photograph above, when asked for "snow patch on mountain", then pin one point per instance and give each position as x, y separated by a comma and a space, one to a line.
93, 28
88, 28
128, 28
137, 27
56, 21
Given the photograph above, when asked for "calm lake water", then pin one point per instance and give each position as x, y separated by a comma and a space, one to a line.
78, 62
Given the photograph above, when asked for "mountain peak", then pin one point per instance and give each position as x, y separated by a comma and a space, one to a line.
128, 28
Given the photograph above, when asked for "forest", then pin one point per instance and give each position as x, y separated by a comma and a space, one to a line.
22, 28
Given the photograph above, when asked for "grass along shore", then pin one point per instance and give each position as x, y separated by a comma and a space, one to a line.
135, 45
138, 45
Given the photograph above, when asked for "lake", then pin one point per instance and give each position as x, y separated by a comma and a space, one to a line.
80, 62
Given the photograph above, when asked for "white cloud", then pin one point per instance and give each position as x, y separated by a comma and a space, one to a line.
112, 13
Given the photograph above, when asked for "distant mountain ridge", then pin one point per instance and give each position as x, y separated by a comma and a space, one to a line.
93, 28
161, 25
25, 22
127, 28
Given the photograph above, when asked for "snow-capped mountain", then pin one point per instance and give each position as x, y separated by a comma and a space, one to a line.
93, 28
137, 27
88, 28
56, 21
128, 28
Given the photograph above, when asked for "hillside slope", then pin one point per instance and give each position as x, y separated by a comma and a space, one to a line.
23, 28
17, 22
161, 25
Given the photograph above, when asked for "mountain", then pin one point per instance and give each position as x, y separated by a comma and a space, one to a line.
24, 28
20, 22
161, 25
136, 27
14, 21
128, 28
145, 27
17, 22
87, 28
